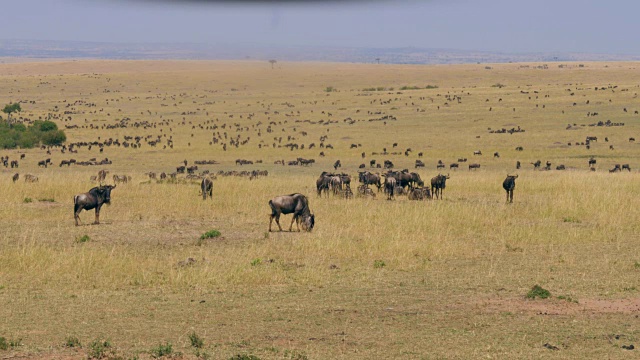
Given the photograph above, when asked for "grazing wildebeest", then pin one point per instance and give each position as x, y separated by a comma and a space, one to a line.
496, 154
474, 166
336, 184
560, 167
207, 188
616, 168
368, 178
42, 163
419, 163
453, 166
95, 198
477, 152
519, 148
16, 177
30, 178
508, 185
119, 179
296, 204
336, 165
626, 166
438, 184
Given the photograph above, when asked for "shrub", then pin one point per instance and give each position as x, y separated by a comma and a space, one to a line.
196, 341
538, 292
378, 264
27, 200
210, 234
256, 262
4, 345
161, 350
17, 134
329, 89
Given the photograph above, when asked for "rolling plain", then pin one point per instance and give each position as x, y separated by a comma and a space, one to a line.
375, 279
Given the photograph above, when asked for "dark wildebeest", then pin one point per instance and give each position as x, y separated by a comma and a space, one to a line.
453, 166
536, 165
296, 204
474, 166
518, 165
592, 162
477, 152
508, 185
438, 184
496, 154
626, 166
16, 177
323, 183
389, 185
95, 198
368, 178
336, 165
207, 188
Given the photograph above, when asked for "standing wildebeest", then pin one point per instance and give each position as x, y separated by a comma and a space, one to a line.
323, 182
296, 204
16, 177
477, 152
438, 184
207, 188
536, 165
626, 166
368, 178
30, 178
102, 175
336, 165
389, 185
474, 166
95, 198
496, 154
508, 185
518, 164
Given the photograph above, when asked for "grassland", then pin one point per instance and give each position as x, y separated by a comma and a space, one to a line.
375, 279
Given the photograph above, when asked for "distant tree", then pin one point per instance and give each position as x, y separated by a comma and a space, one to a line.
378, 60
11, 108
272, 62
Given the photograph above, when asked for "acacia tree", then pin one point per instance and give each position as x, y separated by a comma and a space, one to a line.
11, 108
272, 62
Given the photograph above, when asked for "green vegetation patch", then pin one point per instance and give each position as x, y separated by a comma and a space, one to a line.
210, 234
14, 135
538, 292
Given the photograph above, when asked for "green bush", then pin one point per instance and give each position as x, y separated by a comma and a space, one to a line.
17, 134
538, 292
379, 264
83, 239
100, 349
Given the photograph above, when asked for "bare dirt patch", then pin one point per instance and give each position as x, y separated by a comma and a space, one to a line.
561, 306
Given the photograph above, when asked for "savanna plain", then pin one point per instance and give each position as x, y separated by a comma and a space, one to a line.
376, 278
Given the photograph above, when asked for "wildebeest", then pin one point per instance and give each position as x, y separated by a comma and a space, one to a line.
536, 165
508, 185
592, 162
30, 178
207, 188
474, 166
15, 177
438, 183
389, 185
94, 198
477, 152
496, 154
419, 194
336, 165
323, 183
626, 166
119, 179
297, 204
102, 175
368, 178
453, 166
518, 164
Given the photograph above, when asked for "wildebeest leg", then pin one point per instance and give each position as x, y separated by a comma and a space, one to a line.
292, 220
97, 216
277, 216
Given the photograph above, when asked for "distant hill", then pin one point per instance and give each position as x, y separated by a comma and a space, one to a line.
163, 51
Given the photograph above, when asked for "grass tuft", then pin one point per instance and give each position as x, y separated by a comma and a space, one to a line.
538, 292
379, 264
210, 234
83, 239
72, 342
161, 350
100, 349
196, 341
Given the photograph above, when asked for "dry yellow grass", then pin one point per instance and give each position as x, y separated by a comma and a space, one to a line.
455, 271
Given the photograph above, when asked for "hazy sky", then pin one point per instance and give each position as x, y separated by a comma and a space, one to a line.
611, 26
